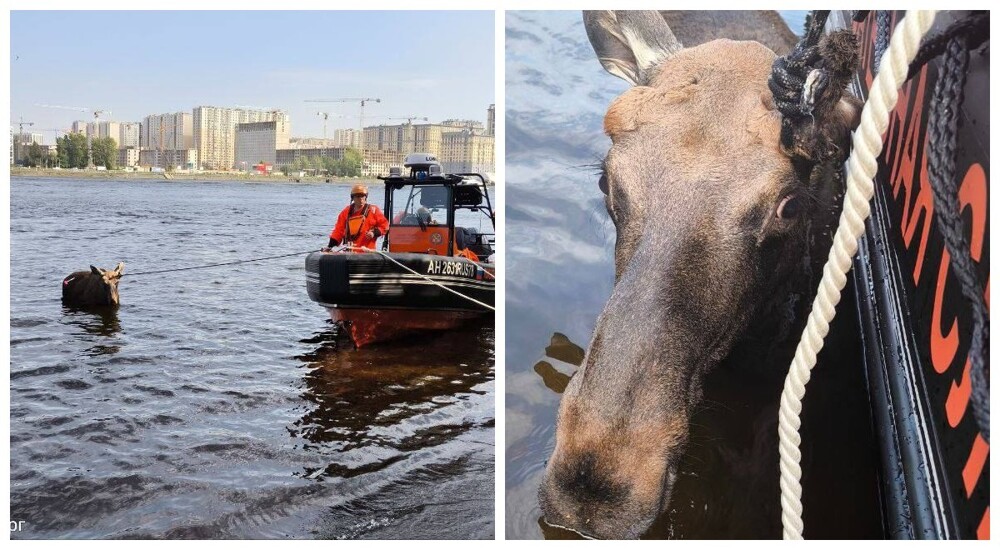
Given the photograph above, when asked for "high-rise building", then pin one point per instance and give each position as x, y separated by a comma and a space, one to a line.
215, 133
27, 138
128, 135
259, 141
405, 138
80, 127
467, 151
347, 137
108, 128
491, 114
21, 143
173, 131
128, 157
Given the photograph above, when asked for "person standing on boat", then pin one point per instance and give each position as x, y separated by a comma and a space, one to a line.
360, 223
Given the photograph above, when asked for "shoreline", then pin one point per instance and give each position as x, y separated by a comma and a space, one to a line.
179, 176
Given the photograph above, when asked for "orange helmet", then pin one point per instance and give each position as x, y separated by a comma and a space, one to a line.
359, 189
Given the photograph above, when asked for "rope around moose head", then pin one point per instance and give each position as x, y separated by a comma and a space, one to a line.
861, 168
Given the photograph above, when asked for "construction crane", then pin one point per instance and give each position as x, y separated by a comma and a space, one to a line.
361, 116
20, 137
97, 116
326, 116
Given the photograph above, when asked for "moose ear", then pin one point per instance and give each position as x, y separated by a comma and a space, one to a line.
119, 268
630, 43
96, 271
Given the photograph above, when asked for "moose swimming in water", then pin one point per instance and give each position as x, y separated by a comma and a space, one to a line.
97, 287
720, 222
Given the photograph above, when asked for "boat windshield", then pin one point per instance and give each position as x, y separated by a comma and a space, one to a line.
419, 206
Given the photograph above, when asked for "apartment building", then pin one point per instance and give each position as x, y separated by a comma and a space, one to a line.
405, 138
105, 129
21, 143
347, 137
259, 141
215, 133
128, 135
128, 157
174, 131
467, 151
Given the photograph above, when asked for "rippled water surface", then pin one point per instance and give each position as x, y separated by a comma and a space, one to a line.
560, 273
221, 403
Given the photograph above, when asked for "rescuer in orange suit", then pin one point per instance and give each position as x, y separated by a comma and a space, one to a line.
360, 223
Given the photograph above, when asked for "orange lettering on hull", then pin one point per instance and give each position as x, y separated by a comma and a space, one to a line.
983, 533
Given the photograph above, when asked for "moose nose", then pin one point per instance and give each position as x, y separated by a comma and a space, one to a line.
583, 495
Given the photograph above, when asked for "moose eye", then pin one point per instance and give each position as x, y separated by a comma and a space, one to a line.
789, 207
603, 183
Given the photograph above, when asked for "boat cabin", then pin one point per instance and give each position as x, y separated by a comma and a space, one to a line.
435, 213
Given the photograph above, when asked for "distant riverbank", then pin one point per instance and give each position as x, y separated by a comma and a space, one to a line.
17, 171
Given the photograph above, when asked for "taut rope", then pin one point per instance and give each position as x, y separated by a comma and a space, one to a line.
217, 265
425, 277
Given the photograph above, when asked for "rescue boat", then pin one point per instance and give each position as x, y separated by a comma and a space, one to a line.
435, 268
917, 327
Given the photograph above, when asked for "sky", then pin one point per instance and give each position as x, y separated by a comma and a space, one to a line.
437, 65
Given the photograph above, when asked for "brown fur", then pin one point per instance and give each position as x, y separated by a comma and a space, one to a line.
97, 287
695, 177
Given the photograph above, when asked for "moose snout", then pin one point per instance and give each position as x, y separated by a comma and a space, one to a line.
582, 495
610, 480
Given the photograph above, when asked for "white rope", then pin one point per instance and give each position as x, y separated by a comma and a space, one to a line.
861, 168
391, 259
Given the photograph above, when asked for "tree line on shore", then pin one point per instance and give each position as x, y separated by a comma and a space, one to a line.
71, 152
349, 166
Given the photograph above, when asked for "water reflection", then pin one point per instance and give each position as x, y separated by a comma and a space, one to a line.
97, 320
561, 349
92, 321
372, 406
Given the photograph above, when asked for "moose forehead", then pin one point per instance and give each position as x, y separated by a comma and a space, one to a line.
715, 94
705, 116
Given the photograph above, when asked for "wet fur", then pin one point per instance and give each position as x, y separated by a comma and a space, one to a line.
703, 264
96, 287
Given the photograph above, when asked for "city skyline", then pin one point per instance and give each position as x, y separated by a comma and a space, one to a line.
402, 58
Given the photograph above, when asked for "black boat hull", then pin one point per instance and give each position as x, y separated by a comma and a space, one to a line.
382, 297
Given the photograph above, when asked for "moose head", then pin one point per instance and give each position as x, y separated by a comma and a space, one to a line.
715, 218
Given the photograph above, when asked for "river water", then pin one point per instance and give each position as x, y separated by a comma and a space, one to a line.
560, 272
221, 403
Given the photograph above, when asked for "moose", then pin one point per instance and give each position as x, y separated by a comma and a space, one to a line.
721, 229
97, 287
